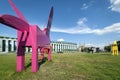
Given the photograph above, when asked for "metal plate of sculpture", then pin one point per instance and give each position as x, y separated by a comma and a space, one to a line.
28, 36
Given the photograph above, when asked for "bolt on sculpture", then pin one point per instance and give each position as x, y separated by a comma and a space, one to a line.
28, 36
114, 48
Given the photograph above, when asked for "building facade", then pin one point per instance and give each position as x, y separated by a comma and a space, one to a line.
91, 49
8, 44
61, 46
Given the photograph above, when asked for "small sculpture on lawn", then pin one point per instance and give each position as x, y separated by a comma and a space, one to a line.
114, 48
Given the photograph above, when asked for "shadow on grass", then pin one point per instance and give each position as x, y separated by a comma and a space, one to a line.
28, 65
40, 62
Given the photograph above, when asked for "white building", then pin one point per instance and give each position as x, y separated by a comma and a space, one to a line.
8, 44
61, 46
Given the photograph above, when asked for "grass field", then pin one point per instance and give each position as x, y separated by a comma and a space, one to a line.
98, 66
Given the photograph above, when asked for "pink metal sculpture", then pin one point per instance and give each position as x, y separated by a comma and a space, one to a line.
28, 36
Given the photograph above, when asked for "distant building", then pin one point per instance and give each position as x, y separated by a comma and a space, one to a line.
89, 49
61, 46
93, 49
8, 44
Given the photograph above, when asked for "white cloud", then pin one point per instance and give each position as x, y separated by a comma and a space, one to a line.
115, 5
61, 39
81, 21
84, 6
87, 5
82, 28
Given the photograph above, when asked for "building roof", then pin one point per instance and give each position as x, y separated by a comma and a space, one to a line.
62, 42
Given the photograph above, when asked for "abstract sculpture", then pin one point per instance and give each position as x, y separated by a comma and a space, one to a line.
114, 48
28, 36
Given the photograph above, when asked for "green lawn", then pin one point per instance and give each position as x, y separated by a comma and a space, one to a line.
98, 66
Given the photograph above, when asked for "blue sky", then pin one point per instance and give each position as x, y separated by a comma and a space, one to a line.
90, 22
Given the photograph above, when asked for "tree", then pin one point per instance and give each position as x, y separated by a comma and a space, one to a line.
107, 48
118, 43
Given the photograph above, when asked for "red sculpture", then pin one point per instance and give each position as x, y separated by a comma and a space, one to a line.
28, 36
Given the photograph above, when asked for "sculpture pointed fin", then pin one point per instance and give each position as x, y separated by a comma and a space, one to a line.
19, 14
49, 22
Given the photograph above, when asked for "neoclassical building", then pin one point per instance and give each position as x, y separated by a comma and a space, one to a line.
8, 44
61, 46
